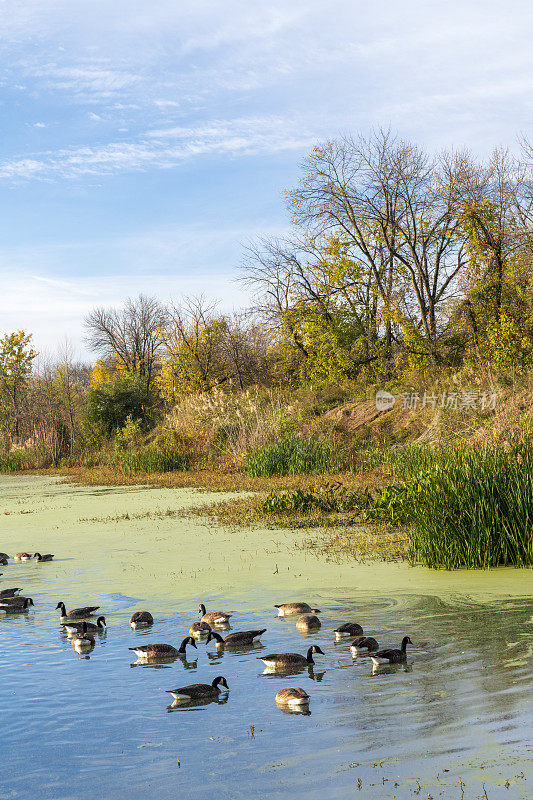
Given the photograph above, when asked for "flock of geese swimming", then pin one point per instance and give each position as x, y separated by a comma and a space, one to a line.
82, 632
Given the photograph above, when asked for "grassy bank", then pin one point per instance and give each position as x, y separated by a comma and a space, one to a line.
441, 489
455, 506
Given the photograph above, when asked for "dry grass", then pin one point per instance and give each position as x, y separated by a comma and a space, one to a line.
231, 425
212, 480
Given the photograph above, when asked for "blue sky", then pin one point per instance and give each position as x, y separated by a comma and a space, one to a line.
143, 143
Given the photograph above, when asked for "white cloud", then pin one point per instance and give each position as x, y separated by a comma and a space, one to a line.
180, 259
230, 137
87, 81
51, 309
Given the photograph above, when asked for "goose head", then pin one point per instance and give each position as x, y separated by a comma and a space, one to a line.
216, 636
313, 649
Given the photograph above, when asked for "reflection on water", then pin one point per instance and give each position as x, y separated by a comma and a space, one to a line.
460, 709
304, 710
183, 705
391, 669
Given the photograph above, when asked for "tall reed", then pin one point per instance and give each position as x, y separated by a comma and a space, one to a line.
24, 458
470, 507
293, 455
151, 459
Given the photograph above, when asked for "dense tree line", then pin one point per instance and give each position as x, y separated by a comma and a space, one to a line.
396, 260
399, 259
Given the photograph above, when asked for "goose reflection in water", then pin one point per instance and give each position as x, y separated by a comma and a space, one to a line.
305, 711
180, 705
293, 671
165, 663
286, 672
390, 669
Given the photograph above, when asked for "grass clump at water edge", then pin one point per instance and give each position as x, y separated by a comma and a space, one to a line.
470, 506
460, 507
293, 455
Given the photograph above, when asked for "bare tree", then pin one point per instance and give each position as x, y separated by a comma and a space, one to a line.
378, 191
245, 351
134, 334
293, 278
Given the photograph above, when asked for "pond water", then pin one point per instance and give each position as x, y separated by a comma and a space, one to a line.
455, 722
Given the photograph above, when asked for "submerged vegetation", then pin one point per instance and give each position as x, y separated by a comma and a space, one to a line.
404, 272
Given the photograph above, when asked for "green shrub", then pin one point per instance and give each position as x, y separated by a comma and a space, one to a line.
327, 498
110, 405
390, 505
292, 455
130, 435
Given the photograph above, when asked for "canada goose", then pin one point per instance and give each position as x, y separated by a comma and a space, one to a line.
199, 691
307, 622
4, 557
22, 556
17, 608
284, 660
76, 613
363, 643
295, 608
46, 557
146, 651
141, 619
294, 696
9, 592
348, 629
90, 627
83, 642
15, 600
199, 629
392, 656
213, 617
235, 639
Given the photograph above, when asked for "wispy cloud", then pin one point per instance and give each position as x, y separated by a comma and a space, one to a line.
90, 79
164, 148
